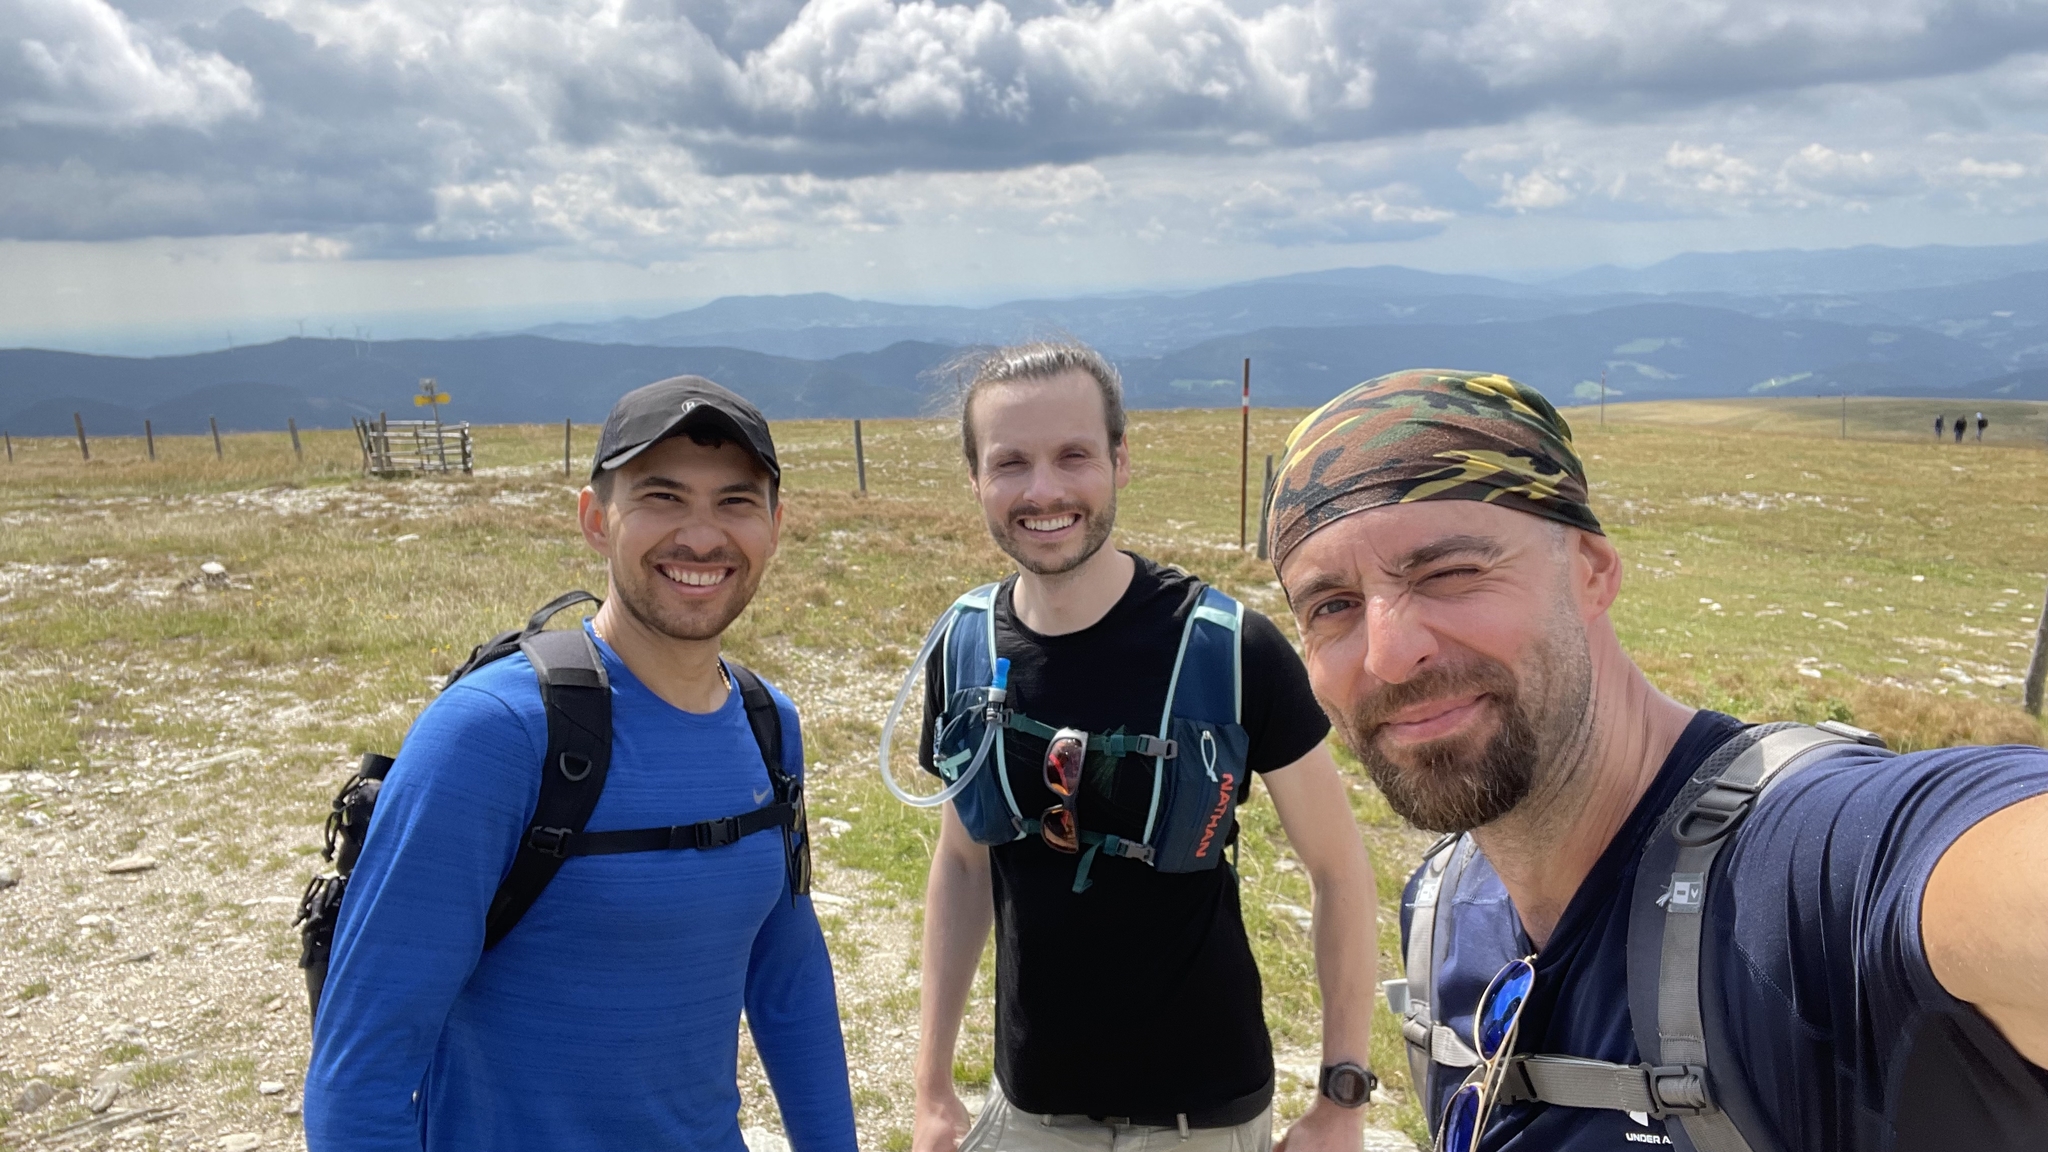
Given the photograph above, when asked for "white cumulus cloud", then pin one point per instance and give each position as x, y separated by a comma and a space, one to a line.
81, 64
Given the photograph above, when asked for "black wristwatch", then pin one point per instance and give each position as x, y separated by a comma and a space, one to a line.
1347, 1085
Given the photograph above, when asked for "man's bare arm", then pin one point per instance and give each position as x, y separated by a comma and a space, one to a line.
1315, 809
1984, 923
958, 911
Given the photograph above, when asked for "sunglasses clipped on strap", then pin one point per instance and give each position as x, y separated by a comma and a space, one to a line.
1494, 1027
1065, 756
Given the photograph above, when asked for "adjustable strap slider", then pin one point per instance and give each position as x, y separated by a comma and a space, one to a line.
1156, 746
550, 841
1679, 1090
1128, 849
1714, 812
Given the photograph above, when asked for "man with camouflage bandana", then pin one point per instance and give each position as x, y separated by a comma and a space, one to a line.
1873, 934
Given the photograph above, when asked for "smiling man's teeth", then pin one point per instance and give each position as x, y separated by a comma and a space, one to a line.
694, 579
1053, 524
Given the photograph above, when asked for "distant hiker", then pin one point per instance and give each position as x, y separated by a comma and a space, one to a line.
1940, 426
1669, 927
1961, 426
608, 1017
1132, 704
1981, 423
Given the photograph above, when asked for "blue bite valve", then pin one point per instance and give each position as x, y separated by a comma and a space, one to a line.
1002, 680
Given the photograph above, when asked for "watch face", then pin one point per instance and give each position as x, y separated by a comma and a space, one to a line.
1348, 1086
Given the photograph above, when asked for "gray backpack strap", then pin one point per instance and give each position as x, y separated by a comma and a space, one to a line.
1664, 955
1667, 917
1411, 998
1573, 1082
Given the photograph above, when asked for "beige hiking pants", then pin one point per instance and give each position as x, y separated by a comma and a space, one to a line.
1002, 1127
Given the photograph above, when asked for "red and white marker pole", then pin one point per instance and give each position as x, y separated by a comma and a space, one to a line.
1244, 453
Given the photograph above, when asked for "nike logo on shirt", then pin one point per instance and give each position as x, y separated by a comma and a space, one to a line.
762, 796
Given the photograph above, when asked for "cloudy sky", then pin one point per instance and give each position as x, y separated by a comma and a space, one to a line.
176, 167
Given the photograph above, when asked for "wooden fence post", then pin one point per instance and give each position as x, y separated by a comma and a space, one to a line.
860, 459
149, 440
78, 422
215, 425
568, 434
292, 423
2037, 668
1265, 504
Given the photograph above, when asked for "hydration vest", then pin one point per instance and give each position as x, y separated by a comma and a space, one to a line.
1666, 998
1198, 754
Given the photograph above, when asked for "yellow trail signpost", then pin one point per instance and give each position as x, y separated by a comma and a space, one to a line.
430, 396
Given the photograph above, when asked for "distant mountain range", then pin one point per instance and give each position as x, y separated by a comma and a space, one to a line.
1931, 321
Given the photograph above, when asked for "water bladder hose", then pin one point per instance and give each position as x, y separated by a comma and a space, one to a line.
997, 692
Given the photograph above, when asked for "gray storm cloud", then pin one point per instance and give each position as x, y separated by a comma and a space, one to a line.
435, 125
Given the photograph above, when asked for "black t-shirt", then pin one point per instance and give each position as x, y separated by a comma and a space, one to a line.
1138, 996
1830, 1019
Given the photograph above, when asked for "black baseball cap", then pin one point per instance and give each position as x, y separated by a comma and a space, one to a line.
647, 416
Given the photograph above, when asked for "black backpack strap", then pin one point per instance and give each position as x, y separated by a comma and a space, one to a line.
506, 643
762, 716
577, 696
766, 721
703, 834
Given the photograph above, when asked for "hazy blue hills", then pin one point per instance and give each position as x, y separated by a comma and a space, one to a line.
1873, 321
1649, 352
821, 325
1958, 291
323, 383
1842, 271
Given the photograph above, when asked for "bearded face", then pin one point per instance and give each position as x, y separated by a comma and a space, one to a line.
1480, 772
1047, 471
688, 530
1448, 643
1050, 540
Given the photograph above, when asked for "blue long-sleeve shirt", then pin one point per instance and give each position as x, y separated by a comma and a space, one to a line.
609, 1017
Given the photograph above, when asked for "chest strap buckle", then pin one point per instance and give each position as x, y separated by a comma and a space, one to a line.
708, 834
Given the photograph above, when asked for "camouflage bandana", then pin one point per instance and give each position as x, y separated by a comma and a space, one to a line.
1427, 434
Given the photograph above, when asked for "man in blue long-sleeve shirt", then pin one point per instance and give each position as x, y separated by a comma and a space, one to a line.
608, 1018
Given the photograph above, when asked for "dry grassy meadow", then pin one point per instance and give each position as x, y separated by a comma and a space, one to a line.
1774, 572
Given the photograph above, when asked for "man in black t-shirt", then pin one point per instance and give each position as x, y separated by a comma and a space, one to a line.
1132, 1005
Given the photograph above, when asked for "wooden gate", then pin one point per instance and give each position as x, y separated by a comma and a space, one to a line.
409, 447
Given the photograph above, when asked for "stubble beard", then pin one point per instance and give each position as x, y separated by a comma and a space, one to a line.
1096, 524
635, 588
1464, 782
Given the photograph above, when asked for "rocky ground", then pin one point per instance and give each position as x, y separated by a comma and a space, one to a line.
153, 998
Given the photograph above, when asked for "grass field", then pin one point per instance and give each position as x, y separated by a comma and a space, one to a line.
1771, 573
